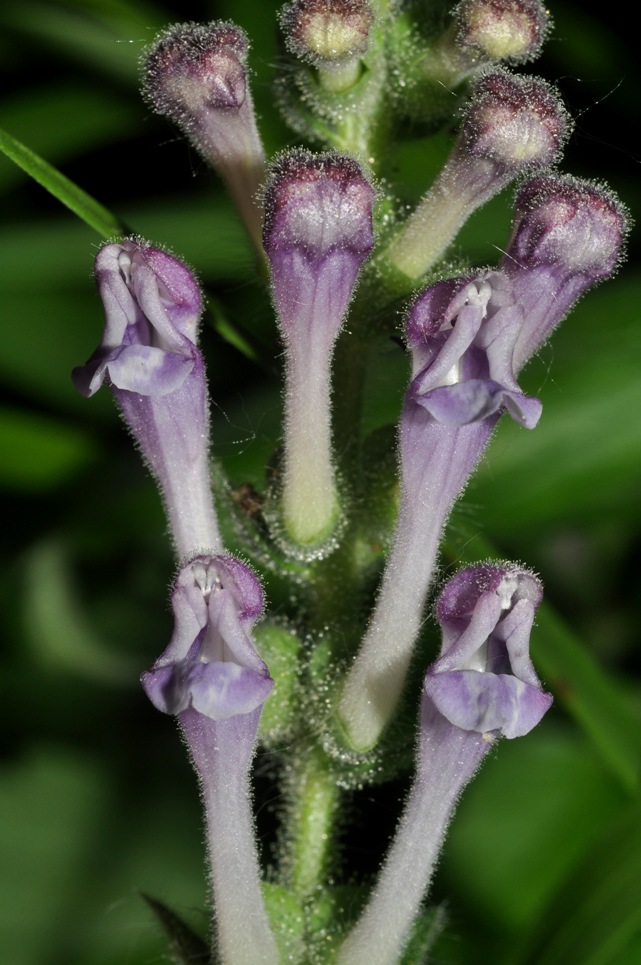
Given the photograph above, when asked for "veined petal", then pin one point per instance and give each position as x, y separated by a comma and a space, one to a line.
147, 370
476, 399
482, 702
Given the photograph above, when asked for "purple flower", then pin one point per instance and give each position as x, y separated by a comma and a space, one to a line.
461, 334
149, 359
513, 124
196, 74
567, 236
318, 232
211, 664
211, 676
482, 687
484, 680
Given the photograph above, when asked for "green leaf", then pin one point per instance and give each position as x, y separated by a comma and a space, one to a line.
596, 918
593, 697
77, 200
187, 948
425, 932
39, 452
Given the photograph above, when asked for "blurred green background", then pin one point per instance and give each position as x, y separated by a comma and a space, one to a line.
97, 803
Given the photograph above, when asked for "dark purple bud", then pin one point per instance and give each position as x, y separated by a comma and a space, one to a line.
326, 32
492, 30
318, 232
194, 68
211, 664
196, 74
149, 359
568, 235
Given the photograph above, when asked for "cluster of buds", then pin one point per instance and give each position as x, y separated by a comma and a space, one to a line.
313, 216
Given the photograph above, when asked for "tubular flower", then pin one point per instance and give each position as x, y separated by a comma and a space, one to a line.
196, 74
213, 679
149, 359
482, 687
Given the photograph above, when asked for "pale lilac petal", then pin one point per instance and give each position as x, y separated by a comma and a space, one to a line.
476, 399
147, 370
484, 679
485, 702
222, 690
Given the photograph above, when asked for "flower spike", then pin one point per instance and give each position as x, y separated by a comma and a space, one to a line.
213, 679
482, 687
318, 232
196, 74
149, 359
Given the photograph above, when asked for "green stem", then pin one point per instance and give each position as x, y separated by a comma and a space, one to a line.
310, 824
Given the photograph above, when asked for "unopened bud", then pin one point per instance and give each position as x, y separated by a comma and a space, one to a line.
493, 30
196, 75
330, 34
516, 122
512, 125
568, 235
318, 232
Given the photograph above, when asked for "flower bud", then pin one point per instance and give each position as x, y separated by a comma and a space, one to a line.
196, 74
514, 121
318, 232
493, 30
568, 235
324, 31
512, 125
330, 34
